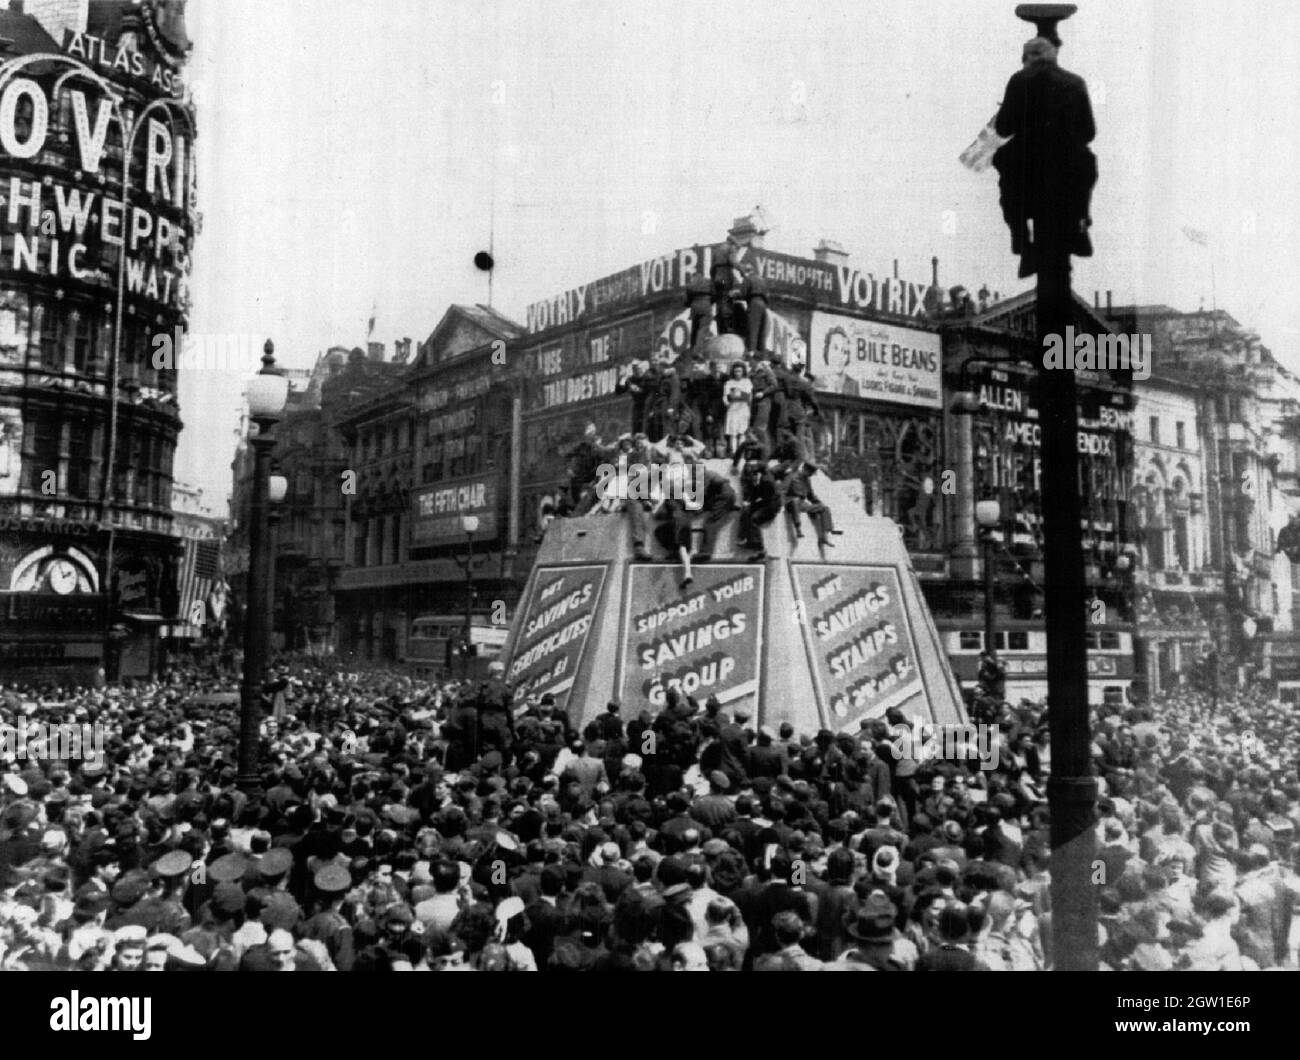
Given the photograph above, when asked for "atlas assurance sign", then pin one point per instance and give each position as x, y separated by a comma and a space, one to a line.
69, 225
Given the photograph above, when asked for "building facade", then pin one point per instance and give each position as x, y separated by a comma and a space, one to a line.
433, 446
992, 453
95, 241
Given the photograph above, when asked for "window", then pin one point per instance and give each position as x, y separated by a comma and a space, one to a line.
83, 343
1018, 640
397, 538
45, 452
1155, 429
359, 544
1180, 430
970, 640
1108, 641
79, 445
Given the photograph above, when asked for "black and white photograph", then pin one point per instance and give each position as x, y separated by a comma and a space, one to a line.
565, 486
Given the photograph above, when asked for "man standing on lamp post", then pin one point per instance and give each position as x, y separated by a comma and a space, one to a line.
1047, 175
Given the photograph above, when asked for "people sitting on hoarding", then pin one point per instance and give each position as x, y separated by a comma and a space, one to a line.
720, 506
584, 458
761, 495
677, 520
801, 499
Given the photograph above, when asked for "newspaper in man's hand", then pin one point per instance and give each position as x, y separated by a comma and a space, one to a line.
979, 154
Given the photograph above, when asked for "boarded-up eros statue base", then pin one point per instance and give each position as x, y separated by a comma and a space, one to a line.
818, 641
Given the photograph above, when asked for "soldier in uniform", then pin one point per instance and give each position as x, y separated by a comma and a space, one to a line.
161, 910
328, 926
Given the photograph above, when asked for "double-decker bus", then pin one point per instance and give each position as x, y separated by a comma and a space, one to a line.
1022, 650
435, 641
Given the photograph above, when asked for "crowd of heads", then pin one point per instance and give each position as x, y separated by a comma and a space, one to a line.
409, 825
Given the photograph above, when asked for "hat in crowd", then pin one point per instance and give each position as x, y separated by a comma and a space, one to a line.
719, 780
768, 732
15, 784
714, 847
130, 933
332, 879
279, 910
228, 867
873, 921
275, 862
91, 903
129, 889
741, 716
172, 864
228, 898
610, 852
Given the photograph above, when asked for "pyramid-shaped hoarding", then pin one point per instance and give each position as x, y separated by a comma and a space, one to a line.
819, 641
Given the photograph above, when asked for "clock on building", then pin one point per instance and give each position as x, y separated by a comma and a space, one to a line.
61, 576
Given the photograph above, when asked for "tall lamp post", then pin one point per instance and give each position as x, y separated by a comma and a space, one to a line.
277, 487
469, 523
267, 393
988, 514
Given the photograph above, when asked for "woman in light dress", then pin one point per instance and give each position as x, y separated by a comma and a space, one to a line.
737, 395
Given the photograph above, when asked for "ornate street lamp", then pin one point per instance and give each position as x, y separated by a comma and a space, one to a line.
268, 391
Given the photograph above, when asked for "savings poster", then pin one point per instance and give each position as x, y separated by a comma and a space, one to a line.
860, 645
708, 638
554, 631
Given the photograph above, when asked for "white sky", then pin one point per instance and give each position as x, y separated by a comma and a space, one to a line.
350, 154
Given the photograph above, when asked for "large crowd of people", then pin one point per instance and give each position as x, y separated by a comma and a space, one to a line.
439, 826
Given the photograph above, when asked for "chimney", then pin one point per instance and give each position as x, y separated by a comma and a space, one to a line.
934, 272
830, 252
895, 268
375, 351
1108, 305
1096, 299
